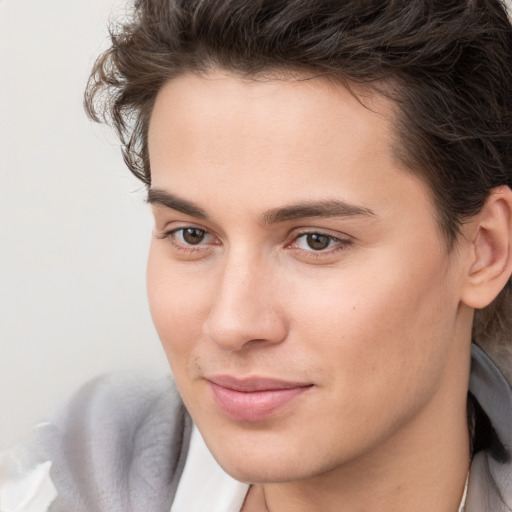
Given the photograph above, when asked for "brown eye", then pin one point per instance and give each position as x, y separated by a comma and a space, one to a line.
193, 236
318, 245
317, 241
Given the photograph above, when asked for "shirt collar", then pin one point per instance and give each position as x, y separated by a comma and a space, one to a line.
204, 486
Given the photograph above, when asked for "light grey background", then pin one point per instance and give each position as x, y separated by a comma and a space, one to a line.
74, 228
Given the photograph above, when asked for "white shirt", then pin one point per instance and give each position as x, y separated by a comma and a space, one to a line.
204, 486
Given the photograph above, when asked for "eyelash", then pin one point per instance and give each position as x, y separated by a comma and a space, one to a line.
340, 244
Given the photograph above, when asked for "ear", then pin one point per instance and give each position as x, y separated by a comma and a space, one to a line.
490, 264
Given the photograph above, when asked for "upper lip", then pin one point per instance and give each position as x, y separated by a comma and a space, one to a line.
252, 384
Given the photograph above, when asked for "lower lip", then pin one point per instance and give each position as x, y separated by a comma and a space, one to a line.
255, 405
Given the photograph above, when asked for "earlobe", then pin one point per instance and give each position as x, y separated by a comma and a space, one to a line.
491, 243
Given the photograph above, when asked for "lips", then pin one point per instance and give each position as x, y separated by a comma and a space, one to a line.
253, 399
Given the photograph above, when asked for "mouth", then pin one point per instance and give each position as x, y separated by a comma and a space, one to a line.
254, 399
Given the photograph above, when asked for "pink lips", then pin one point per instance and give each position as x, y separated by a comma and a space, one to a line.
253, 399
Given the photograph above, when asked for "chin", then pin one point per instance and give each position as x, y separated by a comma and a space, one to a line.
264, 461
259, 472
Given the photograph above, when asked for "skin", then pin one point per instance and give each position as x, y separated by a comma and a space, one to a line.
375, 323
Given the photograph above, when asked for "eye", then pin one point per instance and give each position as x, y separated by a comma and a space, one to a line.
315, 241
189, 242
191, 236
319, 242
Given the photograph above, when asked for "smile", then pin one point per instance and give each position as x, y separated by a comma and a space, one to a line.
253, 399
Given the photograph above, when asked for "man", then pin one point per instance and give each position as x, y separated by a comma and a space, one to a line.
330, 186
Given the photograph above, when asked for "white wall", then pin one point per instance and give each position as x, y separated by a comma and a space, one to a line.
74, 229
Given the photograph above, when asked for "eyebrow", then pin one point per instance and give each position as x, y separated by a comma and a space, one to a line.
322, 209
160, 197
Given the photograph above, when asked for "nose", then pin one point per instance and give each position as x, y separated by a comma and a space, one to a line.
246, 309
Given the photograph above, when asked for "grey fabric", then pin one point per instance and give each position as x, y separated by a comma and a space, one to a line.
120, 446
490, 485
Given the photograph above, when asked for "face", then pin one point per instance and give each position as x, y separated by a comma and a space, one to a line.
299, 283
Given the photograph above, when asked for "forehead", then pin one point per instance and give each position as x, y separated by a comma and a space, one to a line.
266, 143
219, 114
298, 108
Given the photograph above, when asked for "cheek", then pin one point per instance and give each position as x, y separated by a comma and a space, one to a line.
380, 322
179, 303
373, 336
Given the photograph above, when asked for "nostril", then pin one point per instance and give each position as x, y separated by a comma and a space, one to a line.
236, 331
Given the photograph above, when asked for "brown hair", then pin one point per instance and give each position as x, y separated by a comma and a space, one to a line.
447, 64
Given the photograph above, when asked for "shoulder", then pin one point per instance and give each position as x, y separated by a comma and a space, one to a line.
490, 476
119, 445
